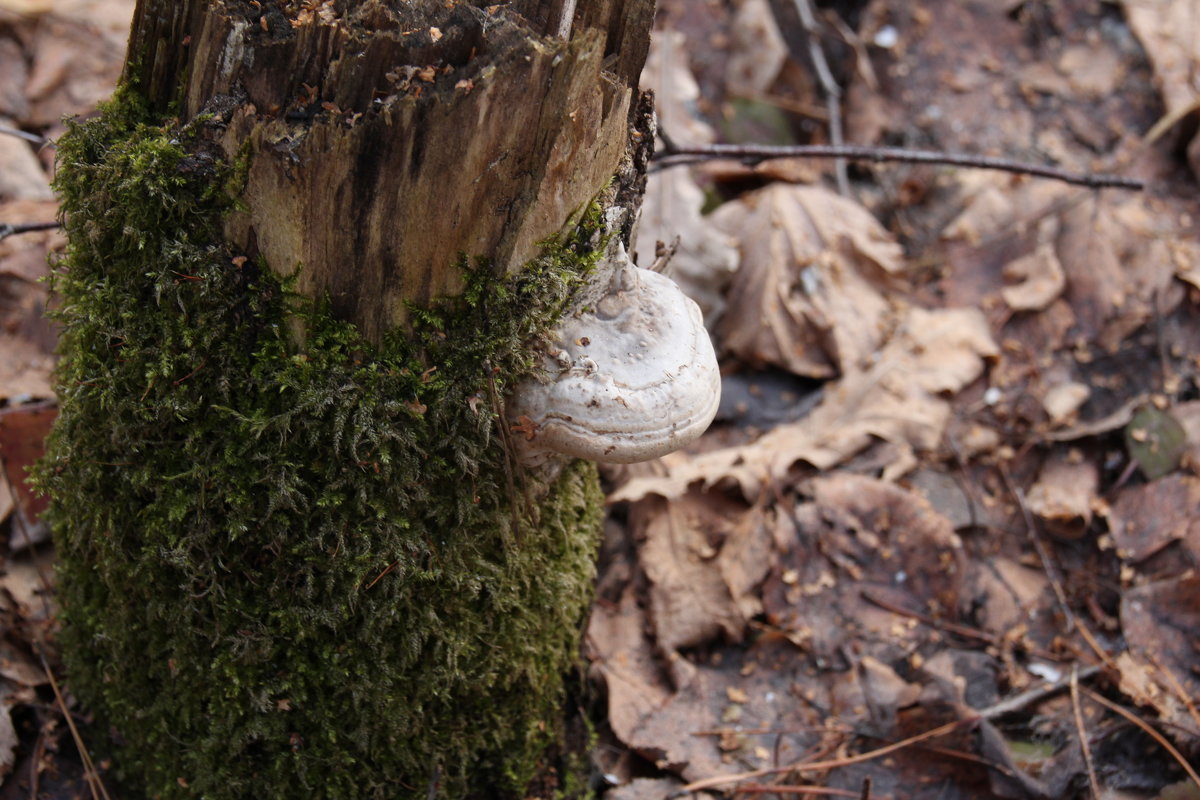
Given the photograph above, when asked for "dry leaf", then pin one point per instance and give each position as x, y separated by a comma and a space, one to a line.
623, 658
885, 692
1063, 400
73, 69
23, 431
24, 369
1161, 623
704, 557
706, 257
862, 541
901, 398
8, 740
1092, 71
21, 173
1041, 280
1063, 495
18, 666
690, 603
809, 295
1167, 32
675, 89
27, 7
757, 51
1147, 519
1188, 415
1007, 594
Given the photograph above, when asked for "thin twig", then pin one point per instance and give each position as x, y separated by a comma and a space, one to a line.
1030, 696
1149, 729
1176, 687
825, 791
32, 138
833, 92
675, 156
815, 766
949, 627
91, 774
12, 229
1081, 732
760, 731
35, 774
1043, 554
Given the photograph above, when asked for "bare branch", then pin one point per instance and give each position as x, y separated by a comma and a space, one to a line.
12, 229
32, 138
672, 156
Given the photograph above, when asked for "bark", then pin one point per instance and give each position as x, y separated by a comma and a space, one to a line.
390, 141
310, 245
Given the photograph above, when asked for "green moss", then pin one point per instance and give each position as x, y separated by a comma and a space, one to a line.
296, 570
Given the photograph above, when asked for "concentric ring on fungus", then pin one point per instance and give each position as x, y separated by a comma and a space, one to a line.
631, 378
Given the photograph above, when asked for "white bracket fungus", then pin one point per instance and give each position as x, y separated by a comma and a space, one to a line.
629, 376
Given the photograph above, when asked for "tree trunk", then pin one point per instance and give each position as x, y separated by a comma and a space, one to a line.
311, 244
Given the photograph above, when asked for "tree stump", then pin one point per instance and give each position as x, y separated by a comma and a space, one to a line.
311, 244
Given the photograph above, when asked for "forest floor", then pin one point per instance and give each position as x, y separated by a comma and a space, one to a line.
942, 541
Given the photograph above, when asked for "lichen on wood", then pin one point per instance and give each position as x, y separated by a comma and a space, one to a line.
297, 566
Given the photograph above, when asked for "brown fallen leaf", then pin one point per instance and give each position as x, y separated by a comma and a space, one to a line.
8, 740
862, 548
1008, 595
1161, 624
27, 7
757, 51
1147, 519
690, 603
21, 173
72, 69
1063, 495
813, 292
24, 368
1041, 280
1188, 415
1092, 71
885, 692
623, 659
706, 258
675, 89
24, 257
682, 736
1090, 247
23, 431
901, 398
1166, 31
705, 557
18, 666
651, 789
1063, 399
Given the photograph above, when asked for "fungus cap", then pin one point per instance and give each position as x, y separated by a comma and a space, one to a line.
630, 377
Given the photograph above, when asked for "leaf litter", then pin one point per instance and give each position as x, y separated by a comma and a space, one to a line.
984, 527
887, 591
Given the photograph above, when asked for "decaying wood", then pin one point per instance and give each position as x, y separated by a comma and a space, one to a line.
387, 140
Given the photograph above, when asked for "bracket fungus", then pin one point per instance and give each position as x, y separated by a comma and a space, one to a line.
630, 375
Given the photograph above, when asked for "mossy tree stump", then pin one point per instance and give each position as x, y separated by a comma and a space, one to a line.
310, 246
